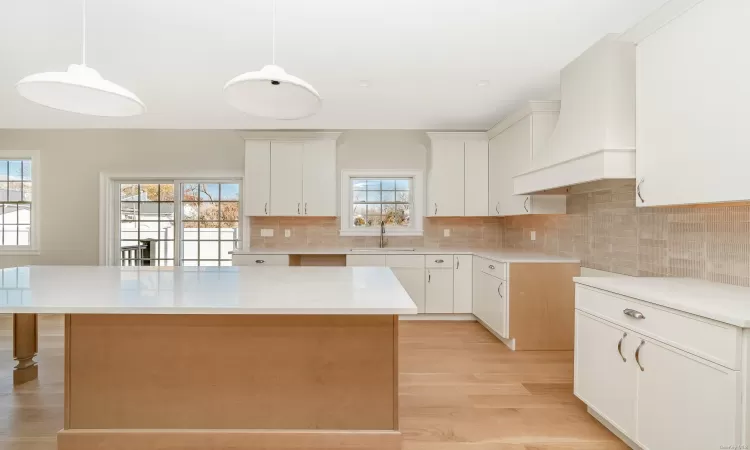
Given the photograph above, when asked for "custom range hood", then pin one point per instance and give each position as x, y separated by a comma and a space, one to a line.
595, 135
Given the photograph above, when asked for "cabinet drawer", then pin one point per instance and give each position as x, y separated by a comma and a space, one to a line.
437, 261
405, 261
365, 260
714, 341
496, 269
260, 260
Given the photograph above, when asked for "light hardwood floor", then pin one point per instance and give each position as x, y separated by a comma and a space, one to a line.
460, 390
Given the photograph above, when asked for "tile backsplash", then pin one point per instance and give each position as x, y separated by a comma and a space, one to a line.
603, 228
471, 232
606, 231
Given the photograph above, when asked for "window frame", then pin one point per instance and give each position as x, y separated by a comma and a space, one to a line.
109, 212
34, 247
416, 213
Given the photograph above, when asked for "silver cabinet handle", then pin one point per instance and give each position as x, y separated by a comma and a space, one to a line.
496, 208
436, 209
498, 290
638, 190
305, 208
633, 313
524, 204
619, 346
298, 212
638, 354
265, 208
491, 267
439, 261
429, 276
458, 263
259, 261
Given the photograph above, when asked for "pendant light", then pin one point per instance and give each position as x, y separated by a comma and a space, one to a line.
271, 92
80, 90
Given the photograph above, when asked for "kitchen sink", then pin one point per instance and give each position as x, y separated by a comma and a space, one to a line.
380, 250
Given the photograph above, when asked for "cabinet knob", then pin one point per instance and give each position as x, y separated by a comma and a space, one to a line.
439, 261
259, 261
491, 267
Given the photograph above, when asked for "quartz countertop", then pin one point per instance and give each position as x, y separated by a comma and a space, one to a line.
203, 290
499, 255
720, 302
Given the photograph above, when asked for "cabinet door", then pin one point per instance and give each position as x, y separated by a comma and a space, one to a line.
478, 291
445, 192
496, 296
257, 181
439, 290
603, 379
691, 132
496, 183
476, 176
412, 280
514, 155
319, 178
462, 284
685, 402
286, 178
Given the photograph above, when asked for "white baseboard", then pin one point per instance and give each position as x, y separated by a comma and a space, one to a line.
446, 317
614, 430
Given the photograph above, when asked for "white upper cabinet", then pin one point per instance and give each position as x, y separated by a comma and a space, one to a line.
290, 174
511, 152
257, 177
319, 178
457, 175
286, 178
692, 90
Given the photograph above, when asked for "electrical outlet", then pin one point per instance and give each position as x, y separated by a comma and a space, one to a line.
266, 232
287, 233
447, 232
533, 235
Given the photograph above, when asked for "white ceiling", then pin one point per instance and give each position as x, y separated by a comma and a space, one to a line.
423, 58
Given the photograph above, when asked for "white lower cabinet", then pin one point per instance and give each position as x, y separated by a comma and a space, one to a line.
439, 290
656, 394
490, 303
462, 284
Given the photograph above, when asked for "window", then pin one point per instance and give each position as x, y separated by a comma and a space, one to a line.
167, 223
390, 197
377, 201
18, 211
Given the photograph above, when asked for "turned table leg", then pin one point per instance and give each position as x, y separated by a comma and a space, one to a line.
25, 347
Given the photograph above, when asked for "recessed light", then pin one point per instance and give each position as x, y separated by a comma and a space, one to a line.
483, 83
364, 83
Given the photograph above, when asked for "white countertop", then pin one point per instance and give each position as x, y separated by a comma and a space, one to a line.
720, 302
508, 256
203, 290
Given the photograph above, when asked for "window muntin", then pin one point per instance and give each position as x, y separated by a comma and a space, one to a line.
15, 203
210, 223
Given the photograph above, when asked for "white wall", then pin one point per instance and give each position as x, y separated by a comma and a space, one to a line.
72, 160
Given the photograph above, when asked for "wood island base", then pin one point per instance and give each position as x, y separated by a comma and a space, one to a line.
240, 382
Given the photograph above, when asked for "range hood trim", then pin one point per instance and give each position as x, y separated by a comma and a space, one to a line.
599, 165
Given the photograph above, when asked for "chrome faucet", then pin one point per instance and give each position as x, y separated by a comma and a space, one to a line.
383, 241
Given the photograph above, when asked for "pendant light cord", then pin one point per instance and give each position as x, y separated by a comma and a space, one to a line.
273, 56
84, 33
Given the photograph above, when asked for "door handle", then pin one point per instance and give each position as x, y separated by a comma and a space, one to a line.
498, 290
633, 313
265, 208
524, 204
259, 261
619, 346
458, 262
305, 208
439, 261
436, 209
638, 354
429, 276
298, 208
496, 208
638, 190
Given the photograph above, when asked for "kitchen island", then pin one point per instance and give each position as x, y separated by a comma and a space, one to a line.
235, 357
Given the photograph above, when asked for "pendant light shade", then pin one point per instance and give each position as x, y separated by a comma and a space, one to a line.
272, 93
80, 90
